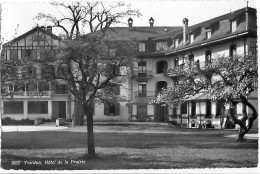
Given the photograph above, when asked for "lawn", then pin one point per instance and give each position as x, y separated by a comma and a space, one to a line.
181, 148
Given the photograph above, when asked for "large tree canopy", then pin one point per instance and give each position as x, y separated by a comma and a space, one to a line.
85, 62
230, 78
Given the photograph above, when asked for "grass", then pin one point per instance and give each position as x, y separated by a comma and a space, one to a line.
182, 148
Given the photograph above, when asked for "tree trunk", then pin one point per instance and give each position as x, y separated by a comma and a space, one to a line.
91, 143
241, 134
78, 116
244, 126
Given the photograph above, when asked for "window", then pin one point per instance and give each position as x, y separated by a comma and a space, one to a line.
17, 87
61, 89
160, 46
43, 86
141, 110
208, 57
176, 62
176, 42
198, 63
208, 108
253, 47
26, 53
191, 38
208, 33
47, 54
112, 52
142, 89
160, 85
111, 109
193, 109
37, 107
48, 72
29, 72
13, 107
141, 47
13, 54
31, 86
233, 25
233, 50
184, 108
191, 59
220, 108
142, 68
61, 72
115, 88
174, 112
162, 67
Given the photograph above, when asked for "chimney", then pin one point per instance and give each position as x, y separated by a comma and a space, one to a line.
185, 28
151, 21
49, 29
130, 22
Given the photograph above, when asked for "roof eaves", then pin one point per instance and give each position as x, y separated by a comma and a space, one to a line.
30, 32
185, 48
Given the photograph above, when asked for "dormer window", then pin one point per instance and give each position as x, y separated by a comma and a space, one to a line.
141, 47
160, 46
233, 26
208, 33
191, 38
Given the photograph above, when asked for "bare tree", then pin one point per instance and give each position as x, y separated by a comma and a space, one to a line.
78, 18
84, 61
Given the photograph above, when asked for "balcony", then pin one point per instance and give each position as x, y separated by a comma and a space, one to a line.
142, 76
147, 94
61, 91
32, 94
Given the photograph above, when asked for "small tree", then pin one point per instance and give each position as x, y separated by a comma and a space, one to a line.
230, 78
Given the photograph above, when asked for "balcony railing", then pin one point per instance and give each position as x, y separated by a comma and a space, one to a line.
146, 94
142, 75
32, 94
61, 91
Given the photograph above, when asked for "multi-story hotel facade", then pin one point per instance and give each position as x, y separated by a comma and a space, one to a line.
159, 48
227, 35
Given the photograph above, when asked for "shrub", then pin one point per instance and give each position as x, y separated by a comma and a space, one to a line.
11, 121
173, 122
47, 120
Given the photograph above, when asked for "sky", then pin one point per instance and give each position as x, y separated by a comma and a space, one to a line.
18, 15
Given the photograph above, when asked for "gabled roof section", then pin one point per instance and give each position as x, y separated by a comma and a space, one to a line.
139, 33
37, 28
205, 24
